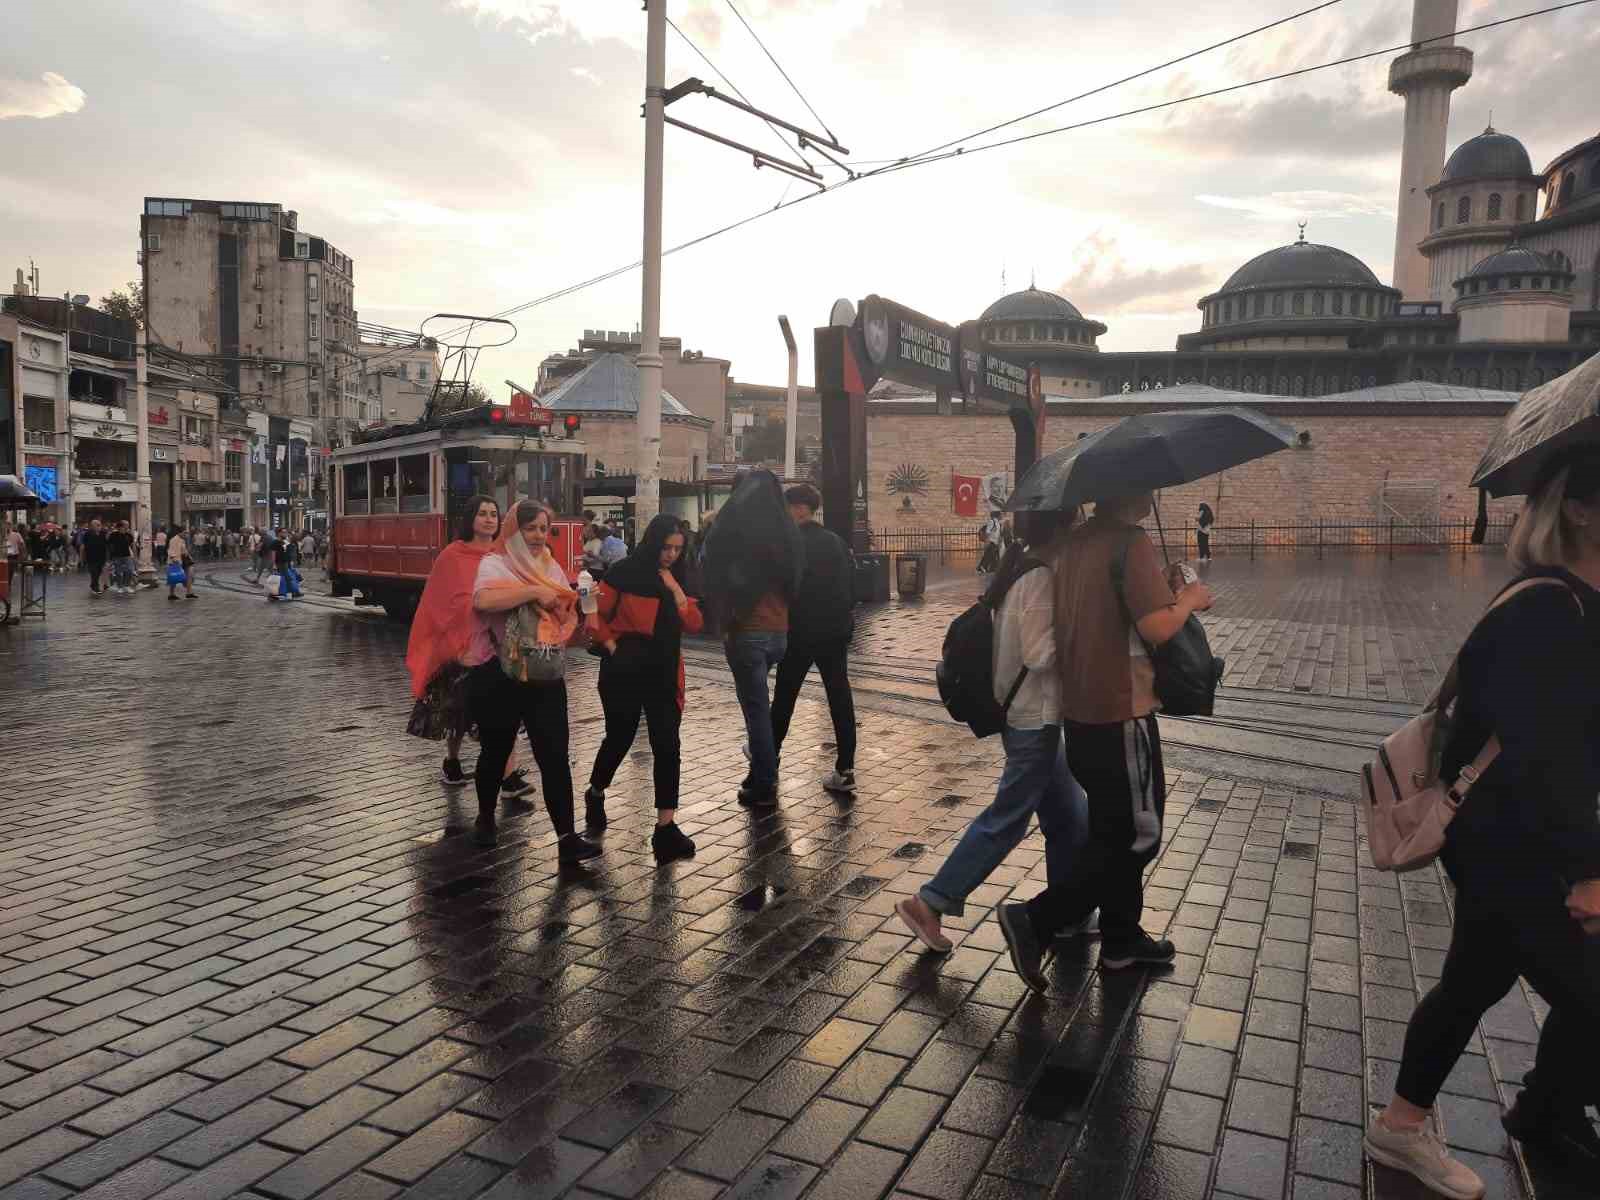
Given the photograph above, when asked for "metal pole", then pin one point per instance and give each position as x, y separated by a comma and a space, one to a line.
141, 427
791, 411
647, 464
1252, 539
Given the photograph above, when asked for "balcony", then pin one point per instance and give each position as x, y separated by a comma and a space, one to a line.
42, 439
96, 471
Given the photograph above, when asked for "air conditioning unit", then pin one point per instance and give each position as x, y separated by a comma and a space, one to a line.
274, 368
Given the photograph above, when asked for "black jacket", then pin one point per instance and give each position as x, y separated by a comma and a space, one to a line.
824, 609
1528, 674
94, 546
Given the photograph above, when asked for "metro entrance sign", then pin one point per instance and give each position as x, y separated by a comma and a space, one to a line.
887, 340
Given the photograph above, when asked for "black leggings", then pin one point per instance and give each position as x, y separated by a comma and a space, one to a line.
833, 665
1119, 767
499, 708
1506, 927
626, 696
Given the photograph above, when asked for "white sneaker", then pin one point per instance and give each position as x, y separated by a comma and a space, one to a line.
1420, 1154
840, 781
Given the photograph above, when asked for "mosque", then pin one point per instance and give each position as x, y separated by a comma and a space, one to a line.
1395, 388
1492, 286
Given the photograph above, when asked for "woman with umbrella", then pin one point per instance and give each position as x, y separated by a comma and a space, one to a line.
1524, 850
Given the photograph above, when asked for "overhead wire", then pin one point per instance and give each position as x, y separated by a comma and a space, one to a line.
734, 88
793, 86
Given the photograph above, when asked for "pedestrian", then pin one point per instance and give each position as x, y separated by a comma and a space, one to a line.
693, 581
285, 554
1203, 522
119, 548
308, 548
16, 548
612, 548
178, 555
821, 623
56, 545
642, 614
267, 549
94, 554
754, 561
159, 545
1523, 852
440, 632
519, 572
1036, 778
990, 538
1108, 705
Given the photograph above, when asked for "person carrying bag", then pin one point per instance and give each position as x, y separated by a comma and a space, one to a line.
643, 613
526, 614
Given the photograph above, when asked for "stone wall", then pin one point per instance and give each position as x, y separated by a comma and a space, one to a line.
1336, 478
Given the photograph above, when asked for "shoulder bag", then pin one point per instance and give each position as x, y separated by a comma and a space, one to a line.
1187, 673
1409, 807
524, 657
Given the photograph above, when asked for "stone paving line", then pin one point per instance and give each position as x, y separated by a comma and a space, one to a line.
246, 949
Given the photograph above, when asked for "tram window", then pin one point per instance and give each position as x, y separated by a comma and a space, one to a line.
414, 483
355, 489
385, 486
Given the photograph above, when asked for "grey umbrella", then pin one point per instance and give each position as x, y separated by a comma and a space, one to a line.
1564, 412
1149, 451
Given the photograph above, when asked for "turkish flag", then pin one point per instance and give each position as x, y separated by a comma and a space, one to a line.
964, 494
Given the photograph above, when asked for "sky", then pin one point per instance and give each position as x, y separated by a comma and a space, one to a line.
472, 155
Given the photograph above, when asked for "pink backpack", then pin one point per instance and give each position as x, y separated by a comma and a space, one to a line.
1408, 806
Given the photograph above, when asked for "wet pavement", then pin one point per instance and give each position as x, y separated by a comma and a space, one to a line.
246, 948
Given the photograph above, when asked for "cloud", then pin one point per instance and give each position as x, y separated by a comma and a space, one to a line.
1302, 205
51, 96
1103, 282
585, 74
1298, 127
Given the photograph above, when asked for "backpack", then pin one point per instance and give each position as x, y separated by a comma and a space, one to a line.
1409, 807
1186, 672
965, 673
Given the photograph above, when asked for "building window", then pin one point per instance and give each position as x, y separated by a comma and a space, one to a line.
1522, 207
1277, 304
313, 332
311, 286
313, 404
1259, 301
1463, 210
1338, 304
1516, 283
1538, 283
1316, 303
1438, 220
1494, 206
1299, 304
1568, 182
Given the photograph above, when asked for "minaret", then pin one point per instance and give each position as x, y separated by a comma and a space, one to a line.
1425, 76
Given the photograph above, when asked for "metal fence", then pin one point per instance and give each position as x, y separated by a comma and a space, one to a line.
1316, 537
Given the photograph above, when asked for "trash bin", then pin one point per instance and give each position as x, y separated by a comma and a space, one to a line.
911, 575
872, 578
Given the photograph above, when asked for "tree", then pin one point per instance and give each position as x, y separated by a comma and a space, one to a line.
127, 303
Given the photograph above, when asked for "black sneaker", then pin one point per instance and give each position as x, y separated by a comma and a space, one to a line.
573, 849
594, 810
515, 783
757, 797
191, 596
1567, 1137
483, 831
453, 775
1144, 950
669, 842
1023, 944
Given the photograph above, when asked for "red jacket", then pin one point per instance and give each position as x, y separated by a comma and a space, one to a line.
623, 614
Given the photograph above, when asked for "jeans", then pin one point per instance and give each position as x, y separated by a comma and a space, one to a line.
124, 573
832, 665
626, 696
1511, 920
1119, 766
751, 656
501, 707
1035, 779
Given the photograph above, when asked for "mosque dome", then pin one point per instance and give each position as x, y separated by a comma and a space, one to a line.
1032, 305
1302, 264
1518, 260
1490, 155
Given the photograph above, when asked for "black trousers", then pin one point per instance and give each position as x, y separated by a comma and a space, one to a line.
500, 708
96, 565
1203, 543
626, 696
832, 662
1510, 922
1119, 767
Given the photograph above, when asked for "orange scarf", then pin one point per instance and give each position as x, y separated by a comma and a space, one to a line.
558, 603
444, 622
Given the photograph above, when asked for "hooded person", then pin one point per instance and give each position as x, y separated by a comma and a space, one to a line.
521, 579
643, 611
753, 564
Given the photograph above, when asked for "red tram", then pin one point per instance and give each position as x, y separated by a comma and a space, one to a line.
399, 492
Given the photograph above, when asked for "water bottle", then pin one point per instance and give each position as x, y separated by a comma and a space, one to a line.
587, 601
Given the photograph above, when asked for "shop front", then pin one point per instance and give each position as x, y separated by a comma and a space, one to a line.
204, 507
106, 499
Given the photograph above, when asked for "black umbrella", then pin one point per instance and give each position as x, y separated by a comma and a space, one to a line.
1550, 418
1146, 452
16, 494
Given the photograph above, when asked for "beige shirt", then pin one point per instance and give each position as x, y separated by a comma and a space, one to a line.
1025, 636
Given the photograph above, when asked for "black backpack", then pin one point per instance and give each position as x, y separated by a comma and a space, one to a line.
966, 664
1187, 673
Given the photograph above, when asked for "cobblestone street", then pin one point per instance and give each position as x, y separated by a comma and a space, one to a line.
246, 948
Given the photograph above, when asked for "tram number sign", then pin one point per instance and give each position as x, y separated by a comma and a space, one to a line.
525, 411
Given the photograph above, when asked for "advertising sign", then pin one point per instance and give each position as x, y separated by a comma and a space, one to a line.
906, 346
42, 481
